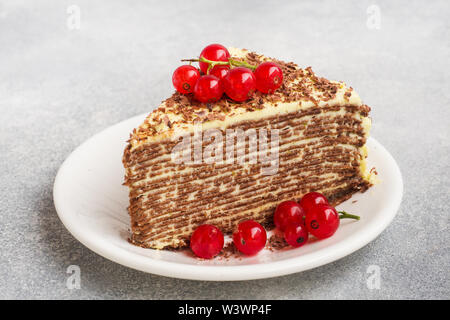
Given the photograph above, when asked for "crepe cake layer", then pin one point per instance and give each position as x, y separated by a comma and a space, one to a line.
322, 127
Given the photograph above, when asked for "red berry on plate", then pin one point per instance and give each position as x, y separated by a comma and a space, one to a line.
312, 199
269, 77
208, 89
206, 241
239, 84
322, 221
184, 78
220, 71
296, 235
288, 212
214, 52
250, 237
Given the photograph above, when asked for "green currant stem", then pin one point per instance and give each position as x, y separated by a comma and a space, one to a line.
230, 62
345, 215
238, 63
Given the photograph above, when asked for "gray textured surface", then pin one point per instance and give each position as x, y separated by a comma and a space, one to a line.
59, 86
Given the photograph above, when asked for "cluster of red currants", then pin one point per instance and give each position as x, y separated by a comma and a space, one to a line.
219, 73
312, 215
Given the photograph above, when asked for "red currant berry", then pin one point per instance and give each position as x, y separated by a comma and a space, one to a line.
239, 84
214, 52
208, 89
206, 241
220, 71
296, 235
250, 237
312, 199
269, 77
184, 78
288, 212
322, 221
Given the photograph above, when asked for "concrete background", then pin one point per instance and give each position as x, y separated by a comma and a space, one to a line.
59, 86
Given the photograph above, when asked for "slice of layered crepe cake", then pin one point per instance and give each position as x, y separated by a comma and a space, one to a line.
192, 163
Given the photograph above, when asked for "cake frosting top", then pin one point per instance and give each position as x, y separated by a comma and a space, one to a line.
301, 88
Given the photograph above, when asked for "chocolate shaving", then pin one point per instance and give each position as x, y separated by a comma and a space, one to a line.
276, 242
229, 251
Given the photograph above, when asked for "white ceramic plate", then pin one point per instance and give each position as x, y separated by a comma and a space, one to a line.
91, 202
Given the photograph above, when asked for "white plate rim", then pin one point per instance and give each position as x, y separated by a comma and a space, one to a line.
217, 272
